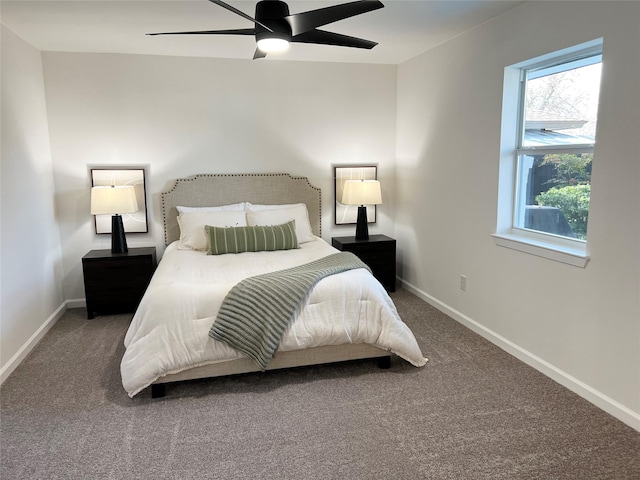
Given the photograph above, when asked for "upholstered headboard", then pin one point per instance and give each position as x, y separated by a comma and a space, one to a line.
209, 190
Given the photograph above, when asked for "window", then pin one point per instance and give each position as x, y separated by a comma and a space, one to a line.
550, 108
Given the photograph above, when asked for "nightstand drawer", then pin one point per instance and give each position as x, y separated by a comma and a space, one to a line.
116, 300
131, 272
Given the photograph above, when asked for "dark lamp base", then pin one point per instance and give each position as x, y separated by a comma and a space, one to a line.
118, 240
362, 225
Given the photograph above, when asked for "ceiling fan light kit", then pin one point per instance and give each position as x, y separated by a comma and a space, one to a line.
273, 45
274, 28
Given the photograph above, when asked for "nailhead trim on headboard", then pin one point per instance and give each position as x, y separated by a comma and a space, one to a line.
209, 189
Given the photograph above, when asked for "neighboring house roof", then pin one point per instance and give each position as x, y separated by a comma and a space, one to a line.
541, 128
549, 120
539, 138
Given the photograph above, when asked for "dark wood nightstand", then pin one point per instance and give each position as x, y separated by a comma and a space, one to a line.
115, 282
379, 253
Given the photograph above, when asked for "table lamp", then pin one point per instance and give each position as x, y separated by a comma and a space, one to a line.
114, 200
361, 193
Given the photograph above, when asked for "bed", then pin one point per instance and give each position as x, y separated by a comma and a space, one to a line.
345, 316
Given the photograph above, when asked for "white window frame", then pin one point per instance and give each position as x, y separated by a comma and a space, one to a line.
554, 247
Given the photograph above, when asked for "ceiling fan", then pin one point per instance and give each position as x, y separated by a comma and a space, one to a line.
274, 28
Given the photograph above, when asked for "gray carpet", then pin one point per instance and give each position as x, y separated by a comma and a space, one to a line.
474, 412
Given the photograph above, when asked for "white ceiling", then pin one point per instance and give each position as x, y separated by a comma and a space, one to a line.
402, 28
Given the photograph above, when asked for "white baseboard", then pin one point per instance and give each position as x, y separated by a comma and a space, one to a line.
600, 400
77, 303
22, 353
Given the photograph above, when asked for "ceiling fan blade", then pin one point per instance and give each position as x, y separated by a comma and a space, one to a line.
259, 54
329, 38
239, 12
237, 31
306, 21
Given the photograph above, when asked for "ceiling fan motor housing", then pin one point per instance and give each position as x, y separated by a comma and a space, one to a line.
272, 13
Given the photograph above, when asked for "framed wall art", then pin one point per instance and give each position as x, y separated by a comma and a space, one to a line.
133, 222
347, 214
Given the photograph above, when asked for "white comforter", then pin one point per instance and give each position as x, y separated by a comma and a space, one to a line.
169, 331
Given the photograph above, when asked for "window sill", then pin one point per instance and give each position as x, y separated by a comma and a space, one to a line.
558, 253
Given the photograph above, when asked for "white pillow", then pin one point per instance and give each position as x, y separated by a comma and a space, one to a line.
192, 234
234, 207
254, 207
282, 214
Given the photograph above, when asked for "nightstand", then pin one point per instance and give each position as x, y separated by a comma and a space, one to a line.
379, 253
115, 282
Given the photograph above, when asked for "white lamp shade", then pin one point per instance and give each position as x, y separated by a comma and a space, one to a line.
361, 192
110, 200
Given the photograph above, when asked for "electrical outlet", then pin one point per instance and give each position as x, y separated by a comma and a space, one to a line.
463, 283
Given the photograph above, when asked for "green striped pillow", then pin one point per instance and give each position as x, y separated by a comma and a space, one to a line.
251, 239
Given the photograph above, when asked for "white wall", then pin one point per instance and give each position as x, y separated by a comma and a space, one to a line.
31, 270
582, 326
182, 116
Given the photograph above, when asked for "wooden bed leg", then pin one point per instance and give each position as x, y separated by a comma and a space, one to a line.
384, 362
158, 390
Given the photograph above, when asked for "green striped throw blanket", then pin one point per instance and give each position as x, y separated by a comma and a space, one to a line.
256, 312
